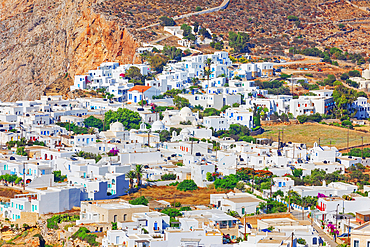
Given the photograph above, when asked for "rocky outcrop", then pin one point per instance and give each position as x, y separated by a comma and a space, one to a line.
44, 40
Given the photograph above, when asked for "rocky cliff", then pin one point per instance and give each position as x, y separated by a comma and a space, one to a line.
45, 40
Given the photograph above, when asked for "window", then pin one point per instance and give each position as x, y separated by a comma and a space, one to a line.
368, 244
356, 243
314, 241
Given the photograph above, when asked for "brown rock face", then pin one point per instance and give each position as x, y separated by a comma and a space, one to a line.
42, 40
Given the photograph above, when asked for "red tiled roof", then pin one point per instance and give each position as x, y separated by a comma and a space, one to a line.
139, 88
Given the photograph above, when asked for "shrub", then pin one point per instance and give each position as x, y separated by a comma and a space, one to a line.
185, 209
84, 234
168, 177
172, 212
187, 185
139, 201
52, 223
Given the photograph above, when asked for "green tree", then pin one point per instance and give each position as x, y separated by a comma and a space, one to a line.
21, 151
227, 182
330, 80
204, 32
187, 29
344, 76
271, 206
129, 119
93, 122
187, 185
239, 41
157, 62
198, 9
134, 73
196, 27
278, 193
58, 177
139, 173
297, 172
181, 102
209, 177
224, 108
166, 21
354, 73
172, 52
131, 175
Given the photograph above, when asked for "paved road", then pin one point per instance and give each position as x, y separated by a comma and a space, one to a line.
322, 234
223, 5
167, 35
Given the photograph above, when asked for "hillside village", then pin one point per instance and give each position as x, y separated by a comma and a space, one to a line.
170, 123
171, 155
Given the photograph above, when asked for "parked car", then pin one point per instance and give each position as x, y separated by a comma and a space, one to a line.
282, 61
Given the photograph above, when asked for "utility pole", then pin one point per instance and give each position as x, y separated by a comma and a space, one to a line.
319, 141
24, 176
279, 141
271, 188
245, 227
282, 135
311, 218
348, 140
362, 147
292, 86
149, 137
349, 222
292, 238
253, 180
191, 148
142, 99
336, 223
289, 202
303, 210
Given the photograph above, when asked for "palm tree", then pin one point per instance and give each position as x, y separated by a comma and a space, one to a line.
207, 72
131, 175
207, 63
139, 172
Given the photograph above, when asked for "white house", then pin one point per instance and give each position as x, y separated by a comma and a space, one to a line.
137, 93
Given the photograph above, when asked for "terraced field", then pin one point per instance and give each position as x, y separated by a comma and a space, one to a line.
310, 133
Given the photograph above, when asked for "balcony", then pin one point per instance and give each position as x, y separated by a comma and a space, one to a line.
156, 229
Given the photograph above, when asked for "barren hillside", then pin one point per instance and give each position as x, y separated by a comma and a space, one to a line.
41, 40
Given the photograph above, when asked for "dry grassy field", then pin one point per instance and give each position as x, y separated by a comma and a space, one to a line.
170, 193
310, 133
